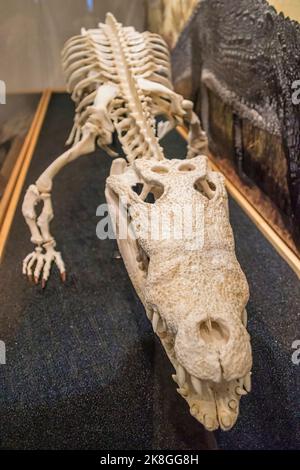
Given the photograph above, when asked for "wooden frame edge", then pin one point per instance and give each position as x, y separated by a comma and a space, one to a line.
5, 200
269, 233
30, 91
15, 184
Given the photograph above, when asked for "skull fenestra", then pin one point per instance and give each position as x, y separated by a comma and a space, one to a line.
179, 253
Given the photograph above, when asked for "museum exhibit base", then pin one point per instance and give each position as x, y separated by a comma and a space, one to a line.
84, 368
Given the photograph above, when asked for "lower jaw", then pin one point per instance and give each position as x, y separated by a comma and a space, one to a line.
213, 404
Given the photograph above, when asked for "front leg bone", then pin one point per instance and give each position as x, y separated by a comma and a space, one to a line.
177, 111
157, 89
43, 263
197, 140
45, 254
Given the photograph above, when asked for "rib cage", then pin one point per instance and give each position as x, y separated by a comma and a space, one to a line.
120, 56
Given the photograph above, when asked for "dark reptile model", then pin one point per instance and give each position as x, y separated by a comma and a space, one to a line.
248, 56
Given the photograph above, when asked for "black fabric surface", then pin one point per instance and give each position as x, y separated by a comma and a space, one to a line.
84, 369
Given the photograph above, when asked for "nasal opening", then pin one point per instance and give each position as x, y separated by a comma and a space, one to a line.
213, 332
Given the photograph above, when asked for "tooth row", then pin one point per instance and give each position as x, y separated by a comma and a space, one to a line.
182, 376
184, 380
181, 379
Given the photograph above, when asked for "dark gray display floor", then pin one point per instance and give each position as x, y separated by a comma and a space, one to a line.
84, 369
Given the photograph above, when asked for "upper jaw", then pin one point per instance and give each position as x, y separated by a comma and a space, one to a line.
211, 376
214, 348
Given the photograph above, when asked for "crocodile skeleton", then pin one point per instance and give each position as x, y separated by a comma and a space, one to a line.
192, 287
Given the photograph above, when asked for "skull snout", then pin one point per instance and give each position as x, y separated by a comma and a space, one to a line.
214, 347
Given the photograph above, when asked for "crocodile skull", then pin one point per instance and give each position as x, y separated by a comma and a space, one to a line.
179, 253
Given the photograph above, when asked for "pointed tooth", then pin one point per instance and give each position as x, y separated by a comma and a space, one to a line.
155, 321
149, 313
240, 391
174, 377
247, 382
194, 410
182, 391
162, 334
181, 375
162, 326
233, 405
196, 384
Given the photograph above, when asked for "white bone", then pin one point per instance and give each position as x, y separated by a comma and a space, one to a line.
180, 372
196, 384
247, 382
155, 320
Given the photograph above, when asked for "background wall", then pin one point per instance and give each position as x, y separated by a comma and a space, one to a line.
168, 17
32, 34
290, 8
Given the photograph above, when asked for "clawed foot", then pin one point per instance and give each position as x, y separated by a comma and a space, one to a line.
43, 262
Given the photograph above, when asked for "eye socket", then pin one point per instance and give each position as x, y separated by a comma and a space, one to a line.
185, 167
160, 169
205, 187
151, 195
137, 188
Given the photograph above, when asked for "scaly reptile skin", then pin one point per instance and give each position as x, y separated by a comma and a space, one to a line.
249, 56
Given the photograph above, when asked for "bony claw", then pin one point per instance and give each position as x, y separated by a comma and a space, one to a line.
43, 262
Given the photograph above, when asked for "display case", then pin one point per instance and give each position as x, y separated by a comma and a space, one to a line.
80, 365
